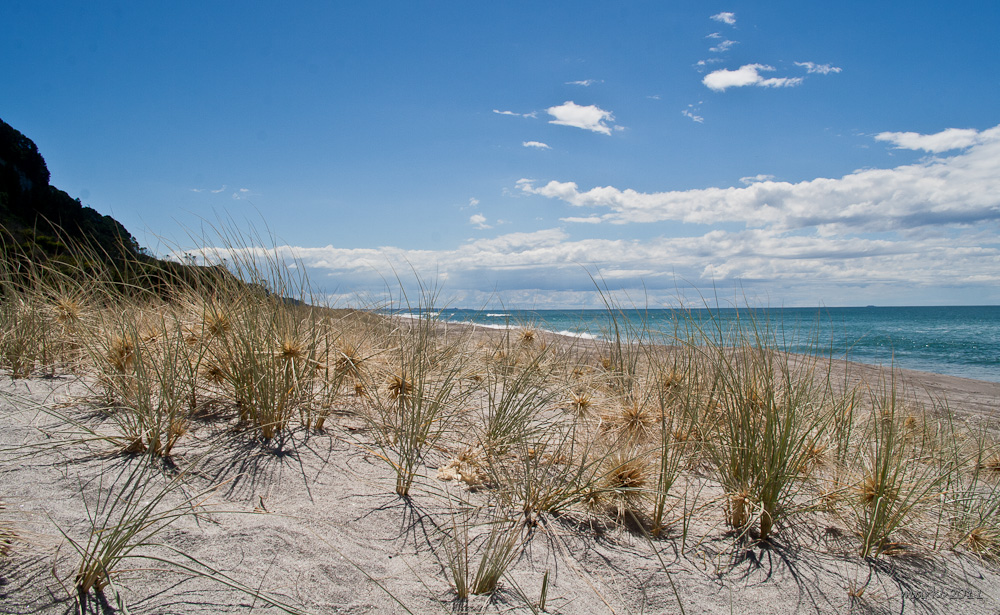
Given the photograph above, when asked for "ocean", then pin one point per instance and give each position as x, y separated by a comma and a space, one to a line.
958, 341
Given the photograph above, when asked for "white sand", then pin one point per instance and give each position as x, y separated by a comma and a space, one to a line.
317, 525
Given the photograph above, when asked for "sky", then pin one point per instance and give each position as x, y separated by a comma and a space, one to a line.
789, 153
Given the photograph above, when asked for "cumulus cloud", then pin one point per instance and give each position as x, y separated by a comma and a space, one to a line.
946, 140
701, 65
748, 74
239, 194
724, 17
479, 221
549, 259
220, 190
586, 82
723, 46
535, 144
590, 117
582, 219
533, 114
690, 113
756, 178
961, 189
822, 69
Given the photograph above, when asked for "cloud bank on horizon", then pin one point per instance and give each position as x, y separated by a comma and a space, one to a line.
955, 190
914, 224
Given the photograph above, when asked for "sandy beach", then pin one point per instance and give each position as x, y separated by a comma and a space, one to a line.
309, 522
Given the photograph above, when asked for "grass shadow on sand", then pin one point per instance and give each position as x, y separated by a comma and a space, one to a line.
249, 466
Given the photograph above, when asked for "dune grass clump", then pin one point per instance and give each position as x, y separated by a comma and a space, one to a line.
7, 532
769, 413
580, 403
675, 445
515, 399
131, 510
146, 370
25, 332
21, 326
420, 392
128, 518
973, 503
67, 309
548, 472
262, 342
478, 556
269, 361
624, 485
900, 472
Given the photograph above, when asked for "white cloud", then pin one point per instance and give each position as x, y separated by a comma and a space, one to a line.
822, 69
946, 140
724, 46
748, 74
724, 17
550, 260
614, 273
586, 82
479, 221
756, 178
199, 190
701, 65
690, 113
533, 114
535, 144
963, 189
582, 220
590, 117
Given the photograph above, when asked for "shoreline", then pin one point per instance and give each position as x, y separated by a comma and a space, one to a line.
909, 363
981, 397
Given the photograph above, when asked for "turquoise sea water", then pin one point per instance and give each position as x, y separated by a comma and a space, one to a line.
958, 341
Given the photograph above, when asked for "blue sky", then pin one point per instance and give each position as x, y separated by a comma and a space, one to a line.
803, 153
